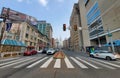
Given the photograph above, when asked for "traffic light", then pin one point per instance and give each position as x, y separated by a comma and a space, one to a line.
75, 27
64, 27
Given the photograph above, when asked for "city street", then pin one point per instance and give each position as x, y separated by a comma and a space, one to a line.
74, 65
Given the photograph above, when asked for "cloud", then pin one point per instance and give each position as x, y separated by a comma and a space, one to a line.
43, 2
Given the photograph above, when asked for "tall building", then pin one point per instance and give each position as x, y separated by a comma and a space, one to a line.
42, 27
102, 17
79, 38
46, 29
49, 32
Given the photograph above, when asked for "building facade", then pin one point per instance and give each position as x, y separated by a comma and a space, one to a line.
79, 38
46, 29
27, 34
102, 18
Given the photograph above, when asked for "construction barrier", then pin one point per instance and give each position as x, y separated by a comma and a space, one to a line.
59, 55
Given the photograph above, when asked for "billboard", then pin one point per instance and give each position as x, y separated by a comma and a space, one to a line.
17, 16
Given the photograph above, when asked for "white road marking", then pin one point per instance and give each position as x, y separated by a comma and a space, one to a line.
2, 60
15, 63
115, 65
78, 63
68, 63
12, 61
45, 65
57, 63
110, 67
88, 63
36, 63
21, 65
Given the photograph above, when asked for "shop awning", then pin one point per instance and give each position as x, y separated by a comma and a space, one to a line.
12, 42
115, 43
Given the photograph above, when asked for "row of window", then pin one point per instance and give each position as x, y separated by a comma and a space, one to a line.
27, 35
96, 32
93, 13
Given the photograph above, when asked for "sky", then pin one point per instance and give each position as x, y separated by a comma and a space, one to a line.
56, 12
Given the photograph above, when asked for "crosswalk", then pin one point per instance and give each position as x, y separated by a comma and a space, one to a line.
67, 62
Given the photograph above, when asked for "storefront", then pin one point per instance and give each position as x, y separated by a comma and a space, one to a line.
11, 48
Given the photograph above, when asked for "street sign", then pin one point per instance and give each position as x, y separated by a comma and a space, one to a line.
110, 35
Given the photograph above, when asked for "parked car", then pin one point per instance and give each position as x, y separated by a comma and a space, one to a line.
30, 52
103, 54
40, 51
50, 51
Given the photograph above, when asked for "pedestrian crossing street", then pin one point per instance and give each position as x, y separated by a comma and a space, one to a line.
67, 62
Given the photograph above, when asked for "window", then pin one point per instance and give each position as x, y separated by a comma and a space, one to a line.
93, 13
26, 35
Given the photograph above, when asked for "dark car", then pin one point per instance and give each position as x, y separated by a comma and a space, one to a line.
44, 50
30, 52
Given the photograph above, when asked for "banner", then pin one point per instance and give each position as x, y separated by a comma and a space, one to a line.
8, 26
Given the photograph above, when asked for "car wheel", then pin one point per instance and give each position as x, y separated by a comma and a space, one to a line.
108, 58
92, 56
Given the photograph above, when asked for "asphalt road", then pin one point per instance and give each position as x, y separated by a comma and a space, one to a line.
75, 65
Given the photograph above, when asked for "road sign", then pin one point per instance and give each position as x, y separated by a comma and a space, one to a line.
110, 35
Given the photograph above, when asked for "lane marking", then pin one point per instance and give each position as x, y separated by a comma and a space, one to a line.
115, 65
21, 65
78, 63
36, 62
104, 65
57, 63
12, 61
68, 63
2, 60
15, 63
88, 63
45, 65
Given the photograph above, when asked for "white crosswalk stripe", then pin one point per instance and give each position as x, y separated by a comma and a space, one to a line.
115, 65
45, 65
88, 63
12, 61
16, 63
57, 63
68, 63
3, 60
36, 62
78, 63
103, 65
23, 64
82, 62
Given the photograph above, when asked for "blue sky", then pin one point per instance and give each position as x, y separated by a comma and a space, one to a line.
56, 12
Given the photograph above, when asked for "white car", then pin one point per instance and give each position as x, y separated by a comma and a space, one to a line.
103, 54
40, 51
50, 51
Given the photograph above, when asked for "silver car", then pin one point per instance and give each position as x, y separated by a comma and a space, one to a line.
103, 54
